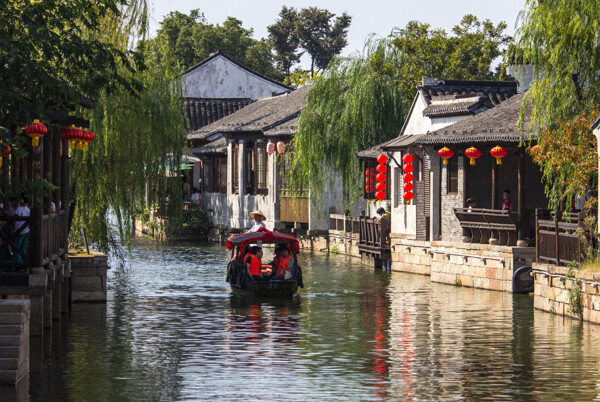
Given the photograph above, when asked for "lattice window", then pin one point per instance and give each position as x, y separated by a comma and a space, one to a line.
221, 171
235, 163
208, 179
452, 175
262, 168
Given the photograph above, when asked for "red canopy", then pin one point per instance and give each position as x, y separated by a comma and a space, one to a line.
262, 235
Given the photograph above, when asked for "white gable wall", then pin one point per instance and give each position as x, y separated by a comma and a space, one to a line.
221, 78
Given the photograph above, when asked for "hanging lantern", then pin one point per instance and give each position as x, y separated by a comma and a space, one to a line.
472, 153
280, 147
91, 137
408, 186
380, 187
381, 168
381, 178
407, 168
380, 195
445, 154
6, 152
408, 158
70, 134
407, 178
408, 196
36, 130
382, 159
498, 153
270, 147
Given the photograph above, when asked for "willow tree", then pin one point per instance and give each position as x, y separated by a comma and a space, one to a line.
140, 134
355, 104
561, 40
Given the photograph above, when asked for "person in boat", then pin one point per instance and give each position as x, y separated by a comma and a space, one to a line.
253, 263
259, 219
276, 259
286, 264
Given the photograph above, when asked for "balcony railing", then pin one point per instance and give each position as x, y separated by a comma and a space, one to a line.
558, 241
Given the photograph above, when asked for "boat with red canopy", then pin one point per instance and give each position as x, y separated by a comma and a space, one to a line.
238, 277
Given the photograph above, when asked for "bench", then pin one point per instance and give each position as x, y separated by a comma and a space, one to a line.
480, 225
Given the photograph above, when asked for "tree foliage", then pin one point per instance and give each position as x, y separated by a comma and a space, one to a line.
560, 39
362, 101
312, 29
355, 104
192, 39
51, 57
136, 155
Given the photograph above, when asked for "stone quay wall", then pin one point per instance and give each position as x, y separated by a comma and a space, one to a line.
14, 340
342, 242
411, 256
478, 265
554, 286
88, 273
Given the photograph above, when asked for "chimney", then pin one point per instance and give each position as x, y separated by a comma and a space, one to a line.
524, 75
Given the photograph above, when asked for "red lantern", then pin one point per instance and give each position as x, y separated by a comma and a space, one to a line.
382, 159
407, 178
381, 177
380, 195
381, 168
92, 137
408, 196
270, 148
36, 130
407, 168
408, 158
70, 134
408, 187
6, 152
380, 186
472, 153
280, 147
445, 154
498, 153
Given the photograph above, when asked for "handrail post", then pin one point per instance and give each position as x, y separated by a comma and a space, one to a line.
556, 228
537, 235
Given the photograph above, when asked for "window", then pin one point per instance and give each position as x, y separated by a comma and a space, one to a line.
452, 175
208, 183
214, 174
250, 165
235, 168
262, 168
370, 181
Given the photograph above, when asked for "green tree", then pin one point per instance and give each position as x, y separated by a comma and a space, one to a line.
322, 36
284, 39
560, 40
355, 104
193, 39
52, 54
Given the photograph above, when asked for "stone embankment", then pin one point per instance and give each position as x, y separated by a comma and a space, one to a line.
14, 340
88, 273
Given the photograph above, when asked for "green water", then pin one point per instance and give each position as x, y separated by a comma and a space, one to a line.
172, 331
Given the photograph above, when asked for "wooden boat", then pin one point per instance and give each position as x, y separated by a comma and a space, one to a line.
242, 283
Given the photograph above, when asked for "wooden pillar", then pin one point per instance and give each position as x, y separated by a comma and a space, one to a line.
56, 166
64, 191
46, 142
36, 202
522, 204
495, 182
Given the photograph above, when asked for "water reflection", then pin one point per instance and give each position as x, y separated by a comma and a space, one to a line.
172, 331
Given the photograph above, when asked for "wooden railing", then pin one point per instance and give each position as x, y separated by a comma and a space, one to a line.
558, 240
53, 236
11, 256
373, 234
343, 223
482, 224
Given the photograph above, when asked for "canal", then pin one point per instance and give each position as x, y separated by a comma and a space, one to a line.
172, 331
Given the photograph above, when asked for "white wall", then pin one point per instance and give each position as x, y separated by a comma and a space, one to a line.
220, 78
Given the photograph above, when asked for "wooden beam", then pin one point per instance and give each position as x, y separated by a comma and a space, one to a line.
522, 206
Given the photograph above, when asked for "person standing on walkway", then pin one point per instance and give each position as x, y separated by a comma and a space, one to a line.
22, 237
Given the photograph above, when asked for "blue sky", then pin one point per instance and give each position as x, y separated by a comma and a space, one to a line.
375, 16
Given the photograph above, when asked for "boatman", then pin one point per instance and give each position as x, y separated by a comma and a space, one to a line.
259, 219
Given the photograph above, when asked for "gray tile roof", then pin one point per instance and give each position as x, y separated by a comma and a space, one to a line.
459, 97
499, 124
218, 146
204, 111
260, 116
